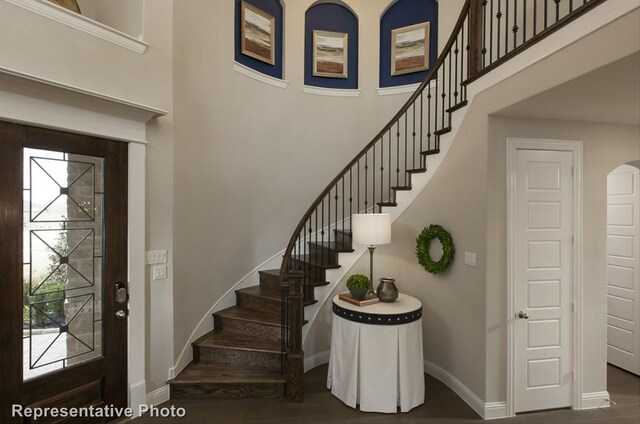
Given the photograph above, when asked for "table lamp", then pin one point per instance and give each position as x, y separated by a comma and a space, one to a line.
371, 229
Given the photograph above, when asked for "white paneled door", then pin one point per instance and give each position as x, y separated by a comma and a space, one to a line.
623, 268
543, 279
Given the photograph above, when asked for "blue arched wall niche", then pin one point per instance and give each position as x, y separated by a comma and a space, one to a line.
274, 8
337, 18
401, 14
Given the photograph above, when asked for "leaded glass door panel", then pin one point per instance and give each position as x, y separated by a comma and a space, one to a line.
63, 254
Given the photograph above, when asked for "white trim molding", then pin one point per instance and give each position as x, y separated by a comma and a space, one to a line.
81, 23
38, 101
575, 147
159, 395
488, 411
402, 89
259, 76
34, 101
335, 92
595, 400
316, 360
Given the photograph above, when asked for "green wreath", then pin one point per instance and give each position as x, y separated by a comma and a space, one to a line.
423, 245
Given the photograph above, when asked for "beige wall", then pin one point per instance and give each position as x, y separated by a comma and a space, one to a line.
36, 45
605, 148
250, 157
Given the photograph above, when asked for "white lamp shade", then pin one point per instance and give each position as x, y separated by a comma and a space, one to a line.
371, 228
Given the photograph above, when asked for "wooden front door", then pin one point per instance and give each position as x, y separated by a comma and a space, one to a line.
63, 257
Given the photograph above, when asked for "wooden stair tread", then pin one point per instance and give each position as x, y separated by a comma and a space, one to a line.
260, 291
331, 245
246, 314
211, 372
317, 283
221, 338
430, 152
387, 204
442, 131
457, 106
417, 171
401, 188
311, 260
271, 272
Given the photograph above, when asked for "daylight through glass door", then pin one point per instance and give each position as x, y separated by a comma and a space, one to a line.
62, 260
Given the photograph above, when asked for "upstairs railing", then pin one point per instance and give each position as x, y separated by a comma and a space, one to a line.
486, 34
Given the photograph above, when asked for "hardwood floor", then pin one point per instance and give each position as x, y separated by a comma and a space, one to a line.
442, 406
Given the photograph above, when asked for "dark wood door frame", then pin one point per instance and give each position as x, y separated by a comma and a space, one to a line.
113, 363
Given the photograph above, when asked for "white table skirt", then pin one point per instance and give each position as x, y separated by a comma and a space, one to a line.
379, 367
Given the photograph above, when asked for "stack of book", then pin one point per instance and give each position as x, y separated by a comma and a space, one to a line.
369, 299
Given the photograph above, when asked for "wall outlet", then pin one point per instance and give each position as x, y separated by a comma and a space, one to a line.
160, 272
470, 258
156, 257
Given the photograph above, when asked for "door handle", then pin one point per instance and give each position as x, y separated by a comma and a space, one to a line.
523, 315
121, 314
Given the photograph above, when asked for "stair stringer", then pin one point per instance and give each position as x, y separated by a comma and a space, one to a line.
404, 199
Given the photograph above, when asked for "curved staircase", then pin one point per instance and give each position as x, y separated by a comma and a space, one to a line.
255, 349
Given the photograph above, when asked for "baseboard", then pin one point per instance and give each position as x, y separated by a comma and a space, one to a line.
316, 360
595, 400
488, 411
495, 410
158, 396
137, 395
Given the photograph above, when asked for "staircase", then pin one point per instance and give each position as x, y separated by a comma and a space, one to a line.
255, 349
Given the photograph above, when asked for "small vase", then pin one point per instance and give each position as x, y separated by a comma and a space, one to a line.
358, 294
387, 290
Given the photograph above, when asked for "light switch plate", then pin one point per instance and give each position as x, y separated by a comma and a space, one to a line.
156, 257
470, 258
160, 272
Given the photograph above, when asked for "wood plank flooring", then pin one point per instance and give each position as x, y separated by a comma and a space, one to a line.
442, 406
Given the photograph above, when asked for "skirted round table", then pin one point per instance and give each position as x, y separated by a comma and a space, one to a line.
376, 355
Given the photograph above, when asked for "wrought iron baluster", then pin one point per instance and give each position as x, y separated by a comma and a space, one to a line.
350, 193
405, 148
398, 154
524, 22
444, 94
324, 250
335, 225
499, 17
490, 35
515, 23
389, 186
343, 196
455, 93
413, 151
557, 10
366, 177
506, 27
535, 17
449, 85
382, 168
421, 131
429, 132
484, 33
373, 181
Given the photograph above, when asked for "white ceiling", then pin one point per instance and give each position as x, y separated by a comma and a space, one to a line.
610, 94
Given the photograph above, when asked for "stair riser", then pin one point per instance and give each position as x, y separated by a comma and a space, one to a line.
269, 281
227, 391
313, 273
327, 256
343, 240
256, 329
258, 303
225, 355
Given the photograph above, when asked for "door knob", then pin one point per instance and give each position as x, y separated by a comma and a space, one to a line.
523, 315
121, 314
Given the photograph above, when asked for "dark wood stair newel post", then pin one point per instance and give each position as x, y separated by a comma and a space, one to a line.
475, 37
295, 355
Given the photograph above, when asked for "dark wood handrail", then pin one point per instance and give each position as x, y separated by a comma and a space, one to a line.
434, 71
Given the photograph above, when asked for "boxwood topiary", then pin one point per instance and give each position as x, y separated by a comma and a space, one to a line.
358, 281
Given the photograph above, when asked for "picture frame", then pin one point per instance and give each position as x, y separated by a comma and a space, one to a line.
330, 54
410, 49
257, 33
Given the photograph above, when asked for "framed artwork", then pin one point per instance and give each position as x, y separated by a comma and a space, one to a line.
410, 49
330, 54
257, 33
